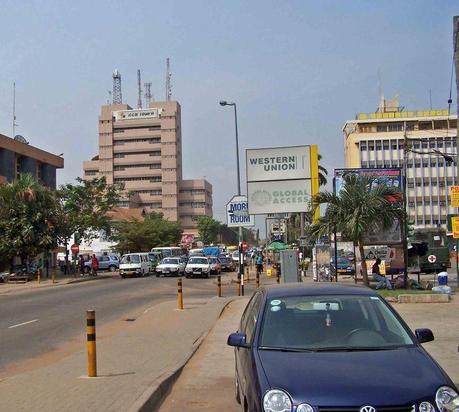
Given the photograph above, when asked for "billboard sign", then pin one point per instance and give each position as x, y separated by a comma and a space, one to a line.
279, 196
278, 163
237, 212
454, 196
391, 177
137, 114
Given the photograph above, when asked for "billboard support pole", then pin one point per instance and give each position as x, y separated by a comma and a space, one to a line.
456, 64
405, 216
335, 241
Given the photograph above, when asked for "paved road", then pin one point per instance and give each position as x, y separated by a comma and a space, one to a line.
34, 323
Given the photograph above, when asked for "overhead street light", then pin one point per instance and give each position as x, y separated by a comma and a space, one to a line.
241, 260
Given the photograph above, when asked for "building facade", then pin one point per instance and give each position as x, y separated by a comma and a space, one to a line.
142, 150
377, 140
17, 157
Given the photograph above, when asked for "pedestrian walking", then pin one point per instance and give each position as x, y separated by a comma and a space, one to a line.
81, 265
383, 281
94, 265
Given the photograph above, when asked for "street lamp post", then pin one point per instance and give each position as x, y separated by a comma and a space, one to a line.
241, 258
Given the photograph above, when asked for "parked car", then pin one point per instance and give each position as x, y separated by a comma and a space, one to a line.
4, 277
135, 264
345, 266
227, 263
215, 265
197, 266
335, 348
235, 257
106, 262
170, 266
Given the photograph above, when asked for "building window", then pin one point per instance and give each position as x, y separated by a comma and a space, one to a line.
394, 145
363, 147
381, 128
386, 145
90, 172
395, 127
378, 145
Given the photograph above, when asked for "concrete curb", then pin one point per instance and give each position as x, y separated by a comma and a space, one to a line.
153, 397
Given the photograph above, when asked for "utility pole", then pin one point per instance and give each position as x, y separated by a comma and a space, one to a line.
14, 110
456, 64
139, 90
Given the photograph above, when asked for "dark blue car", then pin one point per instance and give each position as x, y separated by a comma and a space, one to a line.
333, 348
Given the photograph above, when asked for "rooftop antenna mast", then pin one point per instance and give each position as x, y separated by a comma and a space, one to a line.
168, 80
139, 90
14, 110
117, 98
148, 96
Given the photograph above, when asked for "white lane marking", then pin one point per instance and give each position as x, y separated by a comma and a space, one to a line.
22, 324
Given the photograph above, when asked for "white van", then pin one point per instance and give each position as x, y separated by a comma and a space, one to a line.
135, 264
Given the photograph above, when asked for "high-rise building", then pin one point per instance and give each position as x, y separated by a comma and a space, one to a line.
17, 156
377, 140
142, 149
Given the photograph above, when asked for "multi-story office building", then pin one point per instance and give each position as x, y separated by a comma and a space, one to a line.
377, 140
142, 149
17, 156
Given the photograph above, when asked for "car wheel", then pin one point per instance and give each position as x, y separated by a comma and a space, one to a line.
86, 270
236, 389
207, 275
187, 276
112, 268
122, 276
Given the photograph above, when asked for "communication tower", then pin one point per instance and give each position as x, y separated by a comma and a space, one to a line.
168, 80
117, 98
148, 96
139, 90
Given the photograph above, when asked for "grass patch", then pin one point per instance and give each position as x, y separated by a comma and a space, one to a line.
396, 292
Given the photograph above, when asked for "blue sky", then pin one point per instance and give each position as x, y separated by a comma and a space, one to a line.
297, 70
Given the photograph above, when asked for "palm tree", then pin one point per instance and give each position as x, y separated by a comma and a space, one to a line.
323, 173
359, 208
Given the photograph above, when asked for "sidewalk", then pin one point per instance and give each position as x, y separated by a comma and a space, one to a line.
12, 287
207, 381
131, 364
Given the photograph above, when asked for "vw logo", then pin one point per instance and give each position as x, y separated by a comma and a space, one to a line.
367, 408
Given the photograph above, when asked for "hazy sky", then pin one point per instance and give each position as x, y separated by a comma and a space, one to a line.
297, 70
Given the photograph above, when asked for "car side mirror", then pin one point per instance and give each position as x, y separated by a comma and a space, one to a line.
238, 340
424, 335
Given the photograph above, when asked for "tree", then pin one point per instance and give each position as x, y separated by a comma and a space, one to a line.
360, 207
323, 173
143, 235
208, 229
28, 218
83, 209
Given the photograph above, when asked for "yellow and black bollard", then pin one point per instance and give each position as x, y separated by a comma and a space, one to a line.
91, 343
180, 294
258, 279
219, 286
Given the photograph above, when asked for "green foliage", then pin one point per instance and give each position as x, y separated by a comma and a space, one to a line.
323, 173
28, 218
208, 229
359, 208
143, 235
83, 208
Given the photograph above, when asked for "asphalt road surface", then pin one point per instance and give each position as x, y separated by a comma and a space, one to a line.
36, 322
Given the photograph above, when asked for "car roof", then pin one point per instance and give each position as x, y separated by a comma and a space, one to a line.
325, 288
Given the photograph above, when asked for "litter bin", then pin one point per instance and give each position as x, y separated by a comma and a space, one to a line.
442, 279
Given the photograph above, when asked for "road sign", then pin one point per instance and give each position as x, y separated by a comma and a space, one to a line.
455, 226
75, 248
454, 196
237, 212
432, 258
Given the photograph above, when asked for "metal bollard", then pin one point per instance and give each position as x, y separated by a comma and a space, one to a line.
219, 286
91, 343
248, 273
277, 276
53, 276
180, 294
238, 282
38, 276
258, 279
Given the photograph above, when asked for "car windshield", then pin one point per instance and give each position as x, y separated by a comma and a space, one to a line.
170, 261
340, 322
200, 261
225, 260
213, 260
130, 259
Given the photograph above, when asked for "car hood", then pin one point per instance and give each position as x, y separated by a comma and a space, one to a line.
168, 266
197, 265
379, 378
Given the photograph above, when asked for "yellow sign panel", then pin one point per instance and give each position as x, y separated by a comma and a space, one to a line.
455, 226
454, 196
